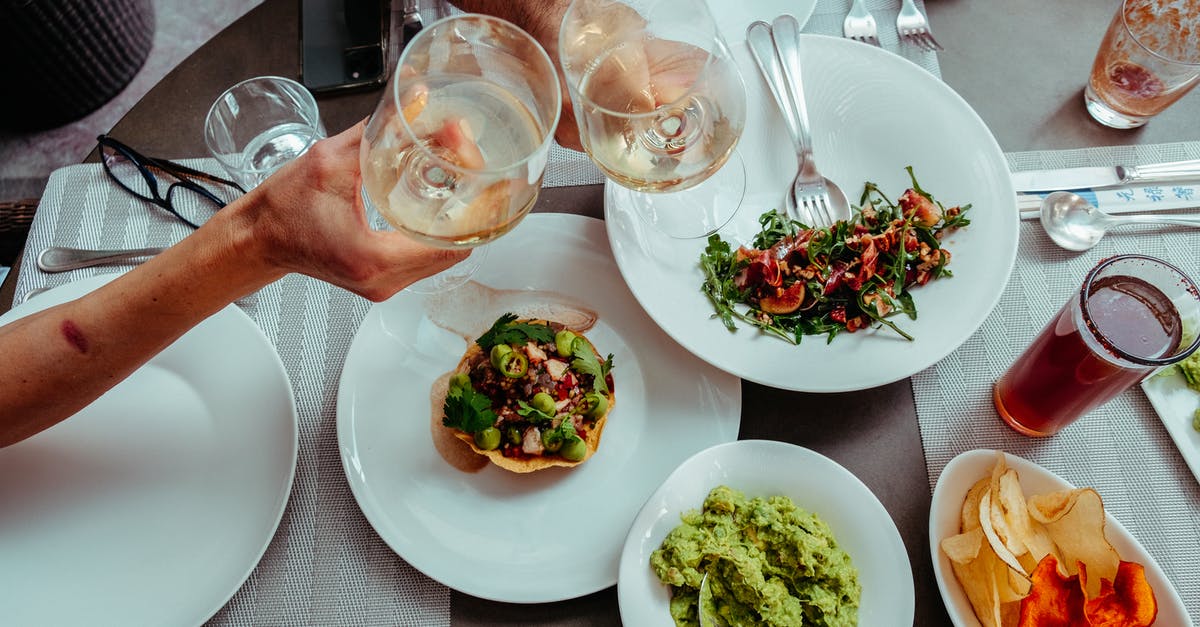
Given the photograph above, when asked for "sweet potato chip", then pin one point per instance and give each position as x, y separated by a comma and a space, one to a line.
1053, 600
1127, 601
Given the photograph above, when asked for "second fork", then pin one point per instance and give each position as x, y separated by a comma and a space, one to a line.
912, 26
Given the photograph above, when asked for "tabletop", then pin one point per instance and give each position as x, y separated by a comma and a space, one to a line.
1021, 65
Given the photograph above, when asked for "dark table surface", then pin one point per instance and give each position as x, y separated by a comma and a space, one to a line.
1021, 64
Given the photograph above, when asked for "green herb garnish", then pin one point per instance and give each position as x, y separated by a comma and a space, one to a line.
507, 331
468, 410
586, 362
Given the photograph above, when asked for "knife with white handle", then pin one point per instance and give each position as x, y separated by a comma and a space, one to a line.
1104, 176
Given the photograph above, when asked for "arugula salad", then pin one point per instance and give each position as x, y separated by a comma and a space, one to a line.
795, 280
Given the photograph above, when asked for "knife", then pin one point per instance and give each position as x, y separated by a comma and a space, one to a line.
1104, 176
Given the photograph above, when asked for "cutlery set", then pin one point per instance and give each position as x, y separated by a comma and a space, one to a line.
911, 26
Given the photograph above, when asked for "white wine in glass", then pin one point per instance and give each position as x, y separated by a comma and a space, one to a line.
454, 154
660, 106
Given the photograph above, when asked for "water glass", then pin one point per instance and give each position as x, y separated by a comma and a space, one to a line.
1148, 59
260, 124
1132, 315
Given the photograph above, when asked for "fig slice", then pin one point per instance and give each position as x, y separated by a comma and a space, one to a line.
783, 301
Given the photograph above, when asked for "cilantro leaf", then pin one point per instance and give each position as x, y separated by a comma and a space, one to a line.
586, 362
468, 410
506, 330
533, 415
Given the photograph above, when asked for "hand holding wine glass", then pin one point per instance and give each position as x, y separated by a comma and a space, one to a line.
454, 154
660, 106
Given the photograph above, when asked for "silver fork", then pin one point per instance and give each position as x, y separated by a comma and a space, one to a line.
812, 198
859, 24
913, 26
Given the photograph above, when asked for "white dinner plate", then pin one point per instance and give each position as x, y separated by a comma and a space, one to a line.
872, 114
557, 533
945, 513
153, 504
859, 522
1176, 405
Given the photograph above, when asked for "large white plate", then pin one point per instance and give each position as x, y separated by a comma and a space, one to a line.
814, 482
153, 504
944, 514
1176, 405
873, 113
555, 534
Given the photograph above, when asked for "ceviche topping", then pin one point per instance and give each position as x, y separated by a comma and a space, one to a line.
795, 280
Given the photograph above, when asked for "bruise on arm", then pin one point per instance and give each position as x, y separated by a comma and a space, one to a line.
74, 336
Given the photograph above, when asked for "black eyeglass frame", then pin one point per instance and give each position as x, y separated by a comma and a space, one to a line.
183, 175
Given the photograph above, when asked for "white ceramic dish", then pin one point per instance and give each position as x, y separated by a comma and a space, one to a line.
814, 482
1176, 405
555, 534
872, 113
963, 471
153, 504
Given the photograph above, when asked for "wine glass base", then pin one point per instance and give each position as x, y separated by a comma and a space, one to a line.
452, 277
697, 211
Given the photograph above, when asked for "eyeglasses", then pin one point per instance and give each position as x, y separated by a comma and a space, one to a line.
192, 196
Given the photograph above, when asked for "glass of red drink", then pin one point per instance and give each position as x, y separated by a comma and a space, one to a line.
1147, 60
1132, 315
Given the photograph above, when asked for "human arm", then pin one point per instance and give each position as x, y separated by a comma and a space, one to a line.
307, 218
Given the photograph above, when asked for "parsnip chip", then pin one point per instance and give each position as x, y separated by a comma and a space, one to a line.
1016, 514
986, 520
970, 509
1078, 531
975, 568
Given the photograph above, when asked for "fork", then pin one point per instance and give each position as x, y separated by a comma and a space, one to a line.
860, 24
913, 26
814, 199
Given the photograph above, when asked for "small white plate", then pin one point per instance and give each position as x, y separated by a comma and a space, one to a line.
1176, 405
945, 511
554, 534
152, 505
872, 114
814, 482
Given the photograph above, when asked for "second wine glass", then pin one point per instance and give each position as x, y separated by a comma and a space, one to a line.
660, 106
454, 153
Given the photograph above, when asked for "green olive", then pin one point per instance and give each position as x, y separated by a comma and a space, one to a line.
459, 380
594, 405
498, 353
487, 439
552, 439
513, 364
544, 403
573, 449
563, 341
513, 435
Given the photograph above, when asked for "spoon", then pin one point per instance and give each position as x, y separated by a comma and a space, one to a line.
1075, 224
708, 619
776, 50
59, 259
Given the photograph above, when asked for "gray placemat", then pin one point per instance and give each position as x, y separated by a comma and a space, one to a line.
1121, 449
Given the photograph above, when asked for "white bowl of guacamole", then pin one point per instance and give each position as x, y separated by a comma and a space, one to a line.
851, 525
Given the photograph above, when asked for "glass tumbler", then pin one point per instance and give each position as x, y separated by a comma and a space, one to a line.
260, 124
1148, 59
1132, 315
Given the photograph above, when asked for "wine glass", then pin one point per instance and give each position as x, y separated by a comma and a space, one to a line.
454, 153
660, 106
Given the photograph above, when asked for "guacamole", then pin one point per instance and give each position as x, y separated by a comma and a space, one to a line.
769, 563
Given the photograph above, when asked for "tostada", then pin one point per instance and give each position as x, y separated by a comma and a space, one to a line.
530, 394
